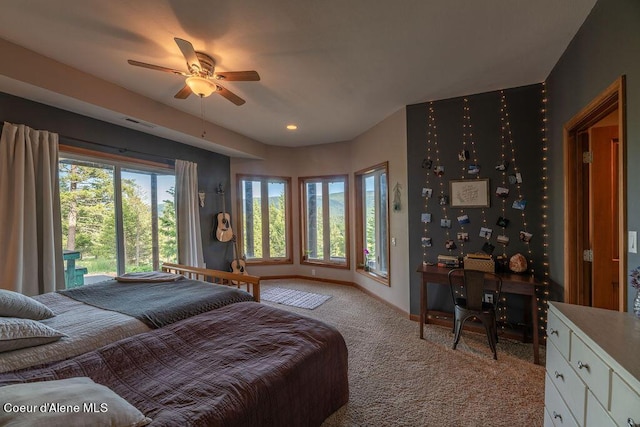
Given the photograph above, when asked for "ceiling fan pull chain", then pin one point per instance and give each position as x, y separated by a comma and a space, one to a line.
204, 131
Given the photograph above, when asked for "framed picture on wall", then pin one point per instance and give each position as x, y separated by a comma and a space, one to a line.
469, 193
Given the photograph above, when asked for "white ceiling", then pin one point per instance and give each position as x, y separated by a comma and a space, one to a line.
333, 67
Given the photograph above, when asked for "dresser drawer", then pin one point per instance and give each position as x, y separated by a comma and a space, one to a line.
555, 406
591, 369
625, 403
597, 416
569, 385
558, 333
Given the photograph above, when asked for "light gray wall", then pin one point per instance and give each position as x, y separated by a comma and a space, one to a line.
606, 47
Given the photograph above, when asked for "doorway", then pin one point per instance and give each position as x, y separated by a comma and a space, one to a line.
595, 208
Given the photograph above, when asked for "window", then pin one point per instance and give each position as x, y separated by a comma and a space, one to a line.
324, 220
119, 216
372, 222
265, 218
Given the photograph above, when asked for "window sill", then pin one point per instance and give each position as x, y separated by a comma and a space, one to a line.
269, 262
373, 276
325, 264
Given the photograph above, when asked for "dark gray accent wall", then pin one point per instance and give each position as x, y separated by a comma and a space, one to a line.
73, 128
524, 106
606, 47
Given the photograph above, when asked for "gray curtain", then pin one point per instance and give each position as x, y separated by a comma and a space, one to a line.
188, 215
30, 229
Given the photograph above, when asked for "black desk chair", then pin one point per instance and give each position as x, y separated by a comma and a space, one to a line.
475, 294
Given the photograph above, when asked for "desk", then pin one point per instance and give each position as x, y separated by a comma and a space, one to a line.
511, 284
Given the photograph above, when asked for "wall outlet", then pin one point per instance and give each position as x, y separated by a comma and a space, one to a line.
488, 298
313, 271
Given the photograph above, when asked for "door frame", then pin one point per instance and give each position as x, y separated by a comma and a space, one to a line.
613, 97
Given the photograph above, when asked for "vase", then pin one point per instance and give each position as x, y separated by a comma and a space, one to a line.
636, 304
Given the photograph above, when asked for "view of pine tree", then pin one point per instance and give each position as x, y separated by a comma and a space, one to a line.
335, 221
86, 200
370, 232
256, 228
277, 227
337, 237
337, 225
89, 223
136, 218
167, 238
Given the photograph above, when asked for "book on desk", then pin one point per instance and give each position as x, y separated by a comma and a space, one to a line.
448, 261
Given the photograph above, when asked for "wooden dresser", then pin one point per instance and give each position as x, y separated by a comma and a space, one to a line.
593, 367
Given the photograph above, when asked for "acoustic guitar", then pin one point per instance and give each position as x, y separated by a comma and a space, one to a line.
223, 219
238, 265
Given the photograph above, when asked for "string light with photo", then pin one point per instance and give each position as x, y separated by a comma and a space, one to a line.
543, 299
431, 142
473, 158
442, 190
430, 134
466, 125
506, 129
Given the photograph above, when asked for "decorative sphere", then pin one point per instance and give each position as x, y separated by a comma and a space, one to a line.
518, 263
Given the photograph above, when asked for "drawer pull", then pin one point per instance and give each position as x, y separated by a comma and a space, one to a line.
557, 416
630, 422
553, 331
582, 365
559, 375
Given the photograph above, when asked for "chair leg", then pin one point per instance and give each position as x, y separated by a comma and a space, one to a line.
491, 337
457, 330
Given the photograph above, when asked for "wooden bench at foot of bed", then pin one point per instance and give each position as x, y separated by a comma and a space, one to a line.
219, 277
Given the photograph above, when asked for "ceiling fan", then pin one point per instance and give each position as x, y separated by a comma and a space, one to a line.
201, 78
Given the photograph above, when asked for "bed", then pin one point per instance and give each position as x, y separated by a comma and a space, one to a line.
245, 364
87, 327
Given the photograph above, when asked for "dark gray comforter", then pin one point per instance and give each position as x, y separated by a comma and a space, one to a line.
158, 304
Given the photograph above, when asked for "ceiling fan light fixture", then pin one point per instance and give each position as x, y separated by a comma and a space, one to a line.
201, 86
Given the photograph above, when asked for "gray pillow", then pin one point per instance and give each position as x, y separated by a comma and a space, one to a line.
13, 304
21, 333
96, 405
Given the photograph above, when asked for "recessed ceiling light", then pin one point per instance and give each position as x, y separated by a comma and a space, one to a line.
292, 127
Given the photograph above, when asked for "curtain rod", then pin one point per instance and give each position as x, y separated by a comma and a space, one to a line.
170, 162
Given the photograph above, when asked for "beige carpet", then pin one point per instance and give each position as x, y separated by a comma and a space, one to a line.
396, 379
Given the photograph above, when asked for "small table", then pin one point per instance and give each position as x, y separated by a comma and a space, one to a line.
511, 284
70, 272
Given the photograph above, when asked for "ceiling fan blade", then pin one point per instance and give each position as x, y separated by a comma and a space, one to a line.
157, 67
232, 76
189, 53
230, 95
183, 93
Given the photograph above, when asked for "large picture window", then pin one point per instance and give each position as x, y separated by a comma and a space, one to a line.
324, 220
265, 206
117, 217
372, 222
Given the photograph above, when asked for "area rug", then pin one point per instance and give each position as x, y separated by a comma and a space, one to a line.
294, 297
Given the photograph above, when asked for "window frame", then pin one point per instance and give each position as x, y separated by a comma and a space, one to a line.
324, 179
264, 181
359, 177
123, 163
